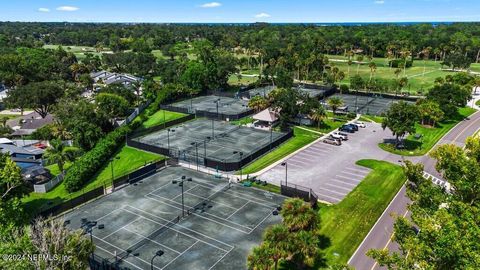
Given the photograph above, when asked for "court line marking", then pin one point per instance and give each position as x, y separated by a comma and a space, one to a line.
153, 241
243, 195
204, 217
221, 258
104, 216
238, 209
165, 266
121, 227
186, 191
188, 229
138, 258
205, 198
134, 265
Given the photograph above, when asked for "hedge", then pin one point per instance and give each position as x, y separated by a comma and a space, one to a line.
83, 170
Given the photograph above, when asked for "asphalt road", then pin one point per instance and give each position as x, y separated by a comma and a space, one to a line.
380, 235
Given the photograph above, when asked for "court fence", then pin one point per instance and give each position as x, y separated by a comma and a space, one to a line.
89, 194
297, 191
165, 125
208, 114
212, 162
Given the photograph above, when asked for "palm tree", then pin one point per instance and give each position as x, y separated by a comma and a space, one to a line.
58, 153
359, 61
426, 56
405, 55
373, 68
349, 63
278, 239
318, 115
298, 215
258, 103
260, 258
335, 103
306, 247
402, 82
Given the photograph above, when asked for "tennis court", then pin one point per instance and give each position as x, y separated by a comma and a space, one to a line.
213, 107
264, 91
213, 143
220, 224
373, 105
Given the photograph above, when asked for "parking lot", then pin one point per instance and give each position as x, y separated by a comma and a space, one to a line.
329, 170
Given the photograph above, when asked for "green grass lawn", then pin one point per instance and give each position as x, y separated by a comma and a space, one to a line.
9, 116
421, 75
301, 138
54, 170
477, 103
347, 223
327, 126
430, 136
243, 80
243, 121
130, 160
371, 118
160, 117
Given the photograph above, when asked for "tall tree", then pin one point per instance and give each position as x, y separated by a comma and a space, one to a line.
400, 118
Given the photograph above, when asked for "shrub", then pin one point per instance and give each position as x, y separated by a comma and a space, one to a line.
85, 167
344, 88
398, 63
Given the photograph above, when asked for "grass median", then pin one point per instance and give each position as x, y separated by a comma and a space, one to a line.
347, 223
429, 135
129, 159
301, 138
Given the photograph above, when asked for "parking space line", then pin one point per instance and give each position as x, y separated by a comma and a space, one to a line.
357, 170
342, 182
297, 163
305, 159
349, 179
331, 198
340, 187
335, 192
355, 174
308, 155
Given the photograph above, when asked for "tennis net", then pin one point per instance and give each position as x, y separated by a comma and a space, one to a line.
202, 205
147, 239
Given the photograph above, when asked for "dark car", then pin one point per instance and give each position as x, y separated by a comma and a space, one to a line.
355, 127
347, 128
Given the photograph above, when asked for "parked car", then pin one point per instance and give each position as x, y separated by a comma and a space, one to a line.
347, 128
332, 141
360, 124
339, 135
355, 127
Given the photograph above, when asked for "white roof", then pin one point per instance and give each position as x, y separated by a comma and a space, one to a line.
267, 115
5, 141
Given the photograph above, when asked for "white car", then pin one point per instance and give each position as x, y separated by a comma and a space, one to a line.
339, 135
360, 124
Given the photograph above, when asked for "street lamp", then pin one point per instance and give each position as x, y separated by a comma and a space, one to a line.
168, 137
180, 183
88, 226
285, 164
216, 102
157, 254
111, 165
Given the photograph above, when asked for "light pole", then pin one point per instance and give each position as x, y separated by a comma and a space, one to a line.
157, 254
216, 102
285, 164
112, 160
180, 183
168, 137
88, 226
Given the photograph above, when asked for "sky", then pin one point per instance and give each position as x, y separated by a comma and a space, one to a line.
240, 11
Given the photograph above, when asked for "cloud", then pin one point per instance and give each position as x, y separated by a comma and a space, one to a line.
263, 15
67, 8
211, 5
43, 9
379, 2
